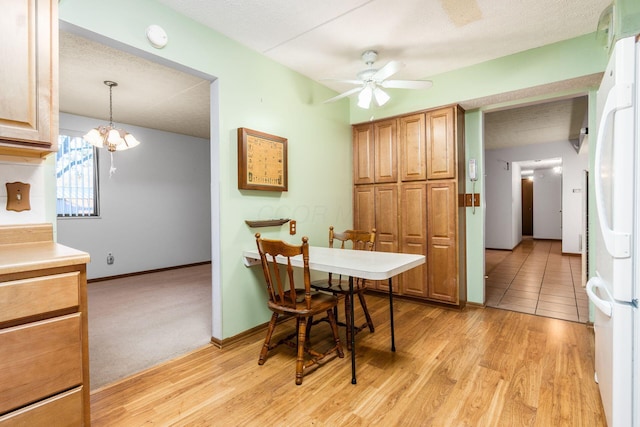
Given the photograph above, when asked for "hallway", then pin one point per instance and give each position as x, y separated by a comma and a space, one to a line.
536, 278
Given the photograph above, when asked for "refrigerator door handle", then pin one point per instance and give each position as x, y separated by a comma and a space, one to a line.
618, 244
596, 283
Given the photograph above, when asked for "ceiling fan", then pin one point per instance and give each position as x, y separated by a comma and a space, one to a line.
371, 80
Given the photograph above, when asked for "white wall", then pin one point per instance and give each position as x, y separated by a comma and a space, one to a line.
499, 195
155, 211
547, 214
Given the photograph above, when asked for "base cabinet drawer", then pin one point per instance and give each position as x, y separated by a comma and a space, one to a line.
62, 410
39, 295
39, 360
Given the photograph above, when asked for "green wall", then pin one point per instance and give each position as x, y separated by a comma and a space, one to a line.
255, 92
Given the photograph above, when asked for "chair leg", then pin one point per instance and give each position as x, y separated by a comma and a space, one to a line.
334, 329
347, 314
309, 324
363, 303
302, 330
267, 340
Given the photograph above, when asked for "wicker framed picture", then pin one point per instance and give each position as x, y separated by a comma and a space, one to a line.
262, 161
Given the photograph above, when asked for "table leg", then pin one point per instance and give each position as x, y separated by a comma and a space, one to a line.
353, 334
393, 338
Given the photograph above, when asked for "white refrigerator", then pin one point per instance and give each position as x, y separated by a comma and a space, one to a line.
614, 288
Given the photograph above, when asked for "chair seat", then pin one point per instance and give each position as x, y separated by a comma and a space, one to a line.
320, 302
337, 286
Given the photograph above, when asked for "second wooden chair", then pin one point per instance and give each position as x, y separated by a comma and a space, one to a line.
339, 285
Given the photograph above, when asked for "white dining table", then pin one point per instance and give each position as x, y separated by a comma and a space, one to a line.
361, 264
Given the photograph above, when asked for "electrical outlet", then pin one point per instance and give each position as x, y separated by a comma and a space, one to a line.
292, 227
110, 259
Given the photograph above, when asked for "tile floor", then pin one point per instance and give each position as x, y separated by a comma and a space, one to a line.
536, 278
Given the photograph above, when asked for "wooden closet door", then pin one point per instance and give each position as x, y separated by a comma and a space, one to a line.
441, 143
363, 166
385, 151
442, 263
413, 235
386, 207
364, 214
413, 149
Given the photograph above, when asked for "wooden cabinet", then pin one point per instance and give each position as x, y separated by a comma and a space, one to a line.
413, 150
377, 207
364, 207
363, 161
43, 331
416, 210
413, 239
385, 151
441, 241
29, 78
441, 143
375, 152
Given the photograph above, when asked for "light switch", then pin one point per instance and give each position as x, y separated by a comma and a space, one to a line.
18, 196
292, 227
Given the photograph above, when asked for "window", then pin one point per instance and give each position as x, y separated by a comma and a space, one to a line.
76, 177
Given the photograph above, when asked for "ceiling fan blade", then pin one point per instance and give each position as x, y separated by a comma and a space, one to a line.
351, 82
343, 95
407, 84
387, 71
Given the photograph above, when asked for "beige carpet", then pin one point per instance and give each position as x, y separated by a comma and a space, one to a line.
140, 321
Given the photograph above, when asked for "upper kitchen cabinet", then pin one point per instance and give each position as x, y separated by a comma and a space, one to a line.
363, 154
441, 143
29, 77
385, 151
375, 151
413, 151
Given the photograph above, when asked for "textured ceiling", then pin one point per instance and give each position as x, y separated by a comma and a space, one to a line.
148, 94
324, 40
535, 123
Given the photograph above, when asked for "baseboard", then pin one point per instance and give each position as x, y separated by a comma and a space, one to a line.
138, 273
226, 342
476, 305
571, 254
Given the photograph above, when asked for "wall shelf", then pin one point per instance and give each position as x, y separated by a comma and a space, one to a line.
266, 222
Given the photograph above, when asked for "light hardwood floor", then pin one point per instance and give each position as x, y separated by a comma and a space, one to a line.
476, 367
536, 278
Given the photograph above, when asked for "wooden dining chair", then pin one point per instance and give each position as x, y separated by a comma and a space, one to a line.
286, 300
339, 285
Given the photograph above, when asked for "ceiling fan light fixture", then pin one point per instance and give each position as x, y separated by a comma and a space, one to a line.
364, 98
381, 96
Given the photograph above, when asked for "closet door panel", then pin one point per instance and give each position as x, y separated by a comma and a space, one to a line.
385, 153
413, 150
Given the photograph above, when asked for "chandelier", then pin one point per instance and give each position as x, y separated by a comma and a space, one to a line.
109, 136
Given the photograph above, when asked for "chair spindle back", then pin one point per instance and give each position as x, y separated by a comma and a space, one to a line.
280, 277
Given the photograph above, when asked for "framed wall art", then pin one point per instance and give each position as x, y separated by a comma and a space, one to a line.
262, 161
